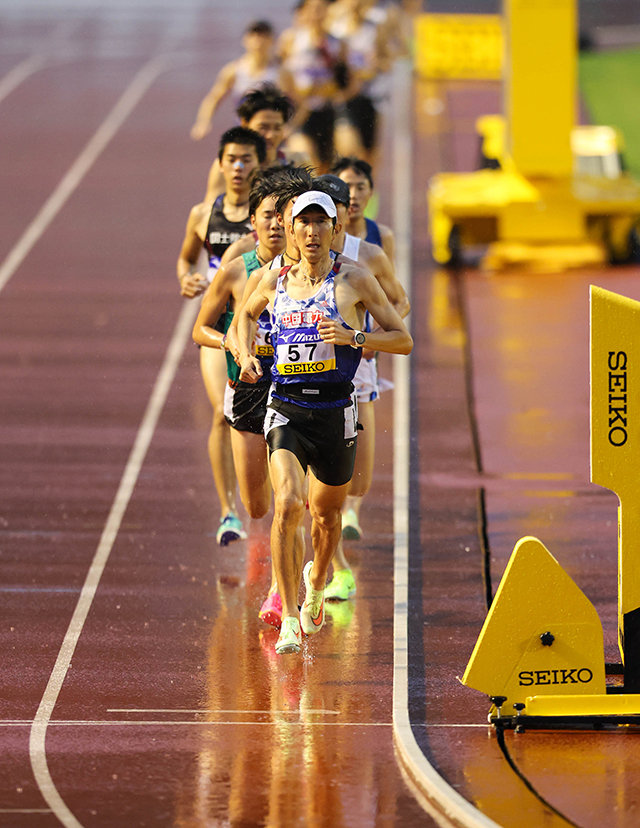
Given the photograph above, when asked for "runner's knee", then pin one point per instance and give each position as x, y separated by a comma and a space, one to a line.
289, 507
326, 517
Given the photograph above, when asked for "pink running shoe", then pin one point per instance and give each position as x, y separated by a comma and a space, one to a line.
271, 610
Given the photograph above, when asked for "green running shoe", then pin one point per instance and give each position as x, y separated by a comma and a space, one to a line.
341, 586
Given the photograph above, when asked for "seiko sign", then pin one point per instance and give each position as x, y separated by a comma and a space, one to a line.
617, 364
575, 675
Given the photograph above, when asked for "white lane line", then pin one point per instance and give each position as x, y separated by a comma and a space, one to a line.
428, 786
19, 73
37, 748
25, 811
83, 163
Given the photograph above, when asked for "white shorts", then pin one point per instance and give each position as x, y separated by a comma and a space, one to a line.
366, 381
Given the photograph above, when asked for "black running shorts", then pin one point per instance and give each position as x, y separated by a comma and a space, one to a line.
323, 439
245, 405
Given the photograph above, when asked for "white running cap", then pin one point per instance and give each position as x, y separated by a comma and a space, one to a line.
314, 198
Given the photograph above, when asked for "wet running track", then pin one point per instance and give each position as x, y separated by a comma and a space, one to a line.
138, 686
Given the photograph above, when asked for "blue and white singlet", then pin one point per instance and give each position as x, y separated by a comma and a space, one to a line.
302, 357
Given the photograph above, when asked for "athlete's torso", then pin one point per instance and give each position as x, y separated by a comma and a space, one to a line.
221, 233
362, 42
311, 64
301, 356
246, 80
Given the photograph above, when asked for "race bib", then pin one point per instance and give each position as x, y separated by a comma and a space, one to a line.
262, 342
305, 355
263, 346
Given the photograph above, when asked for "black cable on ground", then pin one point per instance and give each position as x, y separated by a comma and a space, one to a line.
483, 534
525, 781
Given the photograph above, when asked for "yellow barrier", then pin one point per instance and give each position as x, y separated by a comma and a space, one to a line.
540, 653
542, 635
465, 46
615, 449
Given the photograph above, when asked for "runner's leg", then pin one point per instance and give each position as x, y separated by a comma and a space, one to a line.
252, 472
288, 480
213, 367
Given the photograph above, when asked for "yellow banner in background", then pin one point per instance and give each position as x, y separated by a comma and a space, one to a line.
464, 46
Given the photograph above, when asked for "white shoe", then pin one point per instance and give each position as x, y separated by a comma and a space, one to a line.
290, 638
312, 612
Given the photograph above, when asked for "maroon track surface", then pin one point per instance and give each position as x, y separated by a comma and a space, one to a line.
174, 709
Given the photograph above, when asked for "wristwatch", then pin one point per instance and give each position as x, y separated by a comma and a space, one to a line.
358, 339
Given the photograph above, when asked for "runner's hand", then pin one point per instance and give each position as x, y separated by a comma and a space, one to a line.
192, 284
198, 131
232, 345
250, 369
333, 331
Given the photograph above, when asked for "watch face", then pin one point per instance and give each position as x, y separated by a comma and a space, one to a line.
360, 337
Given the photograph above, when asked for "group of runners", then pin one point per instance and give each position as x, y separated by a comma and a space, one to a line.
298, 295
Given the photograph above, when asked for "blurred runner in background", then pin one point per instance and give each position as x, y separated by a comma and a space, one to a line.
257, 65
267, 111
316, 61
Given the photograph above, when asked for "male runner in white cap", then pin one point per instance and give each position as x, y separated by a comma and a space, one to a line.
311, 423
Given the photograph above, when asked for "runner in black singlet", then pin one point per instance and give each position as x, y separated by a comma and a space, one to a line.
214, 226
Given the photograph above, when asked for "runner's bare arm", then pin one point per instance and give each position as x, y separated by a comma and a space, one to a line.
222, 85
233, 343
191, 282
380, 265
393, 338
388, 241
250, 369
224, 288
